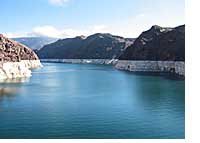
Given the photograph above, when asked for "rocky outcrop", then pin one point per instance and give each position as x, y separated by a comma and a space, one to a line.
156, 50
11, 51
158, 44
97, 46
16, 60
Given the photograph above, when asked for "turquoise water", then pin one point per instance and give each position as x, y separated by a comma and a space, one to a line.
91, 101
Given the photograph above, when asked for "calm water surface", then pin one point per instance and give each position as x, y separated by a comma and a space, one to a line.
91, 101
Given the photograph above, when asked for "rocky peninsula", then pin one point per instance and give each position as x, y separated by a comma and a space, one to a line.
16, 60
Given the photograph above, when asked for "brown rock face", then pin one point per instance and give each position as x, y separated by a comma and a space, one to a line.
11, 51
158, 44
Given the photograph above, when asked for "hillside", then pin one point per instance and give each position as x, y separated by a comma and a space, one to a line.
97, 46
158, 43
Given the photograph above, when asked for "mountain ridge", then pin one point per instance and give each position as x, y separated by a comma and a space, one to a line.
96, 46
158, 43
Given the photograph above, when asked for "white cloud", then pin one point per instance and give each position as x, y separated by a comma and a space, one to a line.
131, 27
45, 31
51, 31
126, 29
59, 2
15, 34
100, 28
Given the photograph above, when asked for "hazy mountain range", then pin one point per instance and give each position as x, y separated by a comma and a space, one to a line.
35, 42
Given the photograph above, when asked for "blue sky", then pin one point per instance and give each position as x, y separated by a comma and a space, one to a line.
69, 18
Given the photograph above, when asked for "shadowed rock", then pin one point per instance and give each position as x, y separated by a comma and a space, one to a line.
158, 44
97, 46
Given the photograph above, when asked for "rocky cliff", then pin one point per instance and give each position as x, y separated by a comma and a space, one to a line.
11, 51
156, 50
16, 59
158, 44
97, 46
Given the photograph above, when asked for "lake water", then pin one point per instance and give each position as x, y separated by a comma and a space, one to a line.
91, 101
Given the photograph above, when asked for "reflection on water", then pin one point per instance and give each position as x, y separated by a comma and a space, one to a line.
14, 80
7, 92
10, 87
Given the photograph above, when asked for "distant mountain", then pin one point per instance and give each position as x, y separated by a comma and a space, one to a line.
158, 43
97, 46
35, 42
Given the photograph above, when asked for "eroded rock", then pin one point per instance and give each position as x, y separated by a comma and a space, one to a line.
16, 60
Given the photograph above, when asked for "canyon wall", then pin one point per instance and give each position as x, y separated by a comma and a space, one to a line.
174, 67
16, 60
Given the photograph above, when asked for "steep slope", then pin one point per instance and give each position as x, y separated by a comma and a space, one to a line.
97, 46
11, 51
164, 44
35, 42
16, 59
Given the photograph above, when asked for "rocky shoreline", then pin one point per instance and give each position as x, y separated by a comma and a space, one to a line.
16, 60
10, 70
171, 67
